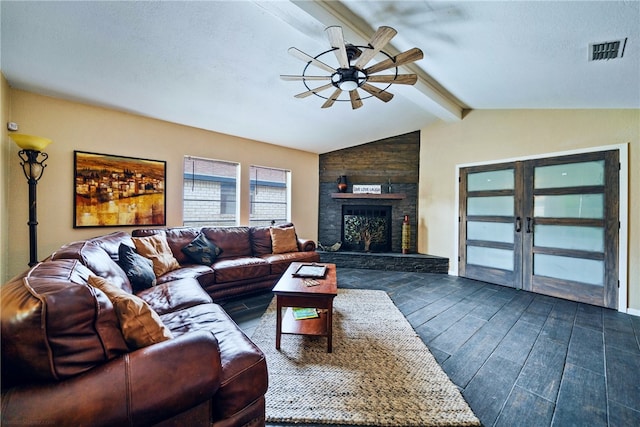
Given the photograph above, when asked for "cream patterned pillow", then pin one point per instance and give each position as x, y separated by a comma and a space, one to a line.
158, 251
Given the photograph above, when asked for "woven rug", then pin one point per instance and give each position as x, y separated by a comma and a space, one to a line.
380, 372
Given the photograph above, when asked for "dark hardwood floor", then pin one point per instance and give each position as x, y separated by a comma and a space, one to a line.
520, 359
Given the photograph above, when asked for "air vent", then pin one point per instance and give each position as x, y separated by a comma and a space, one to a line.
607, 50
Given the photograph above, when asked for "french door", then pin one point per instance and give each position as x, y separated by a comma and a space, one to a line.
545, 225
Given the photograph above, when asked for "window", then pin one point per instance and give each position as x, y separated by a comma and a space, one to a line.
209, 192
269, 196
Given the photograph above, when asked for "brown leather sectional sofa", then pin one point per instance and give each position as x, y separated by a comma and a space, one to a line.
66, 362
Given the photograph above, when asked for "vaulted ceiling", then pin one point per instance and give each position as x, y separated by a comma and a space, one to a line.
216, 65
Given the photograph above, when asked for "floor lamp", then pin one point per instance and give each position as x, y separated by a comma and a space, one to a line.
30, 153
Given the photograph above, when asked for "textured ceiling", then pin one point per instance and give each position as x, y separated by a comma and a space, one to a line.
215, 64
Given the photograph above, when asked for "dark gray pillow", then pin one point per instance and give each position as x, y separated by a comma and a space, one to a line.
202, 250
139, 269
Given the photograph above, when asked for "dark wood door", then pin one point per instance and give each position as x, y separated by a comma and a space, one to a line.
553, 230
571, 227
490, 224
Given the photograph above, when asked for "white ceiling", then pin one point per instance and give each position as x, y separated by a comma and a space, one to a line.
215, 65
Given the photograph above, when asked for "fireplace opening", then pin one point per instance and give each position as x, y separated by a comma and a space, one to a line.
366, 228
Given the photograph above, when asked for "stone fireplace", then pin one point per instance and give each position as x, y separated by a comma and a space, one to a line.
394, 165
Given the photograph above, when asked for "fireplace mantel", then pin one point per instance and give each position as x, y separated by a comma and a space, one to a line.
387, 196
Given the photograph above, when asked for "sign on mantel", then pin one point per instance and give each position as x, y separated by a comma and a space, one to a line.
367, 189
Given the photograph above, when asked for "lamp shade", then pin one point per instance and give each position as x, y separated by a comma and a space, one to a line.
30, 142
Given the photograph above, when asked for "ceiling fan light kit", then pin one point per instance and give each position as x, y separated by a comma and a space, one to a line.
351, 74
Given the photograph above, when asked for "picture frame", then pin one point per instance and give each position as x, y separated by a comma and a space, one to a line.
316, 271
114, 191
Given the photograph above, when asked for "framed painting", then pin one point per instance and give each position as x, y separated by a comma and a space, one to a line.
116, 191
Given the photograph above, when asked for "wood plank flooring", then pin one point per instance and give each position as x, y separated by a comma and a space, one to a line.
520, 359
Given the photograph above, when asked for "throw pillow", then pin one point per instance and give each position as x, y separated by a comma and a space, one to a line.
139, 269
158, 251
202, 250
283, 240
140, 325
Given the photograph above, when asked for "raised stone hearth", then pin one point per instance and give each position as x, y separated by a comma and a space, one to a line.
387, 261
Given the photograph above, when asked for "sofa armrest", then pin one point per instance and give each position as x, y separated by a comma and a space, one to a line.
140, 388
305, 245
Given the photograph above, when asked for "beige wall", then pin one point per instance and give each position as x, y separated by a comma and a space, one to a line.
73, 126
488, 135
4, 177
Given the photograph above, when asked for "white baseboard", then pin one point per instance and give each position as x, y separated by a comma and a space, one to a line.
633, 311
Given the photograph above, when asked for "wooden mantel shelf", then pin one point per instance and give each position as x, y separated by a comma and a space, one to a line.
388, 196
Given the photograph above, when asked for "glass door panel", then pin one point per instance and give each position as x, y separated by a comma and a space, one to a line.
490, 231
569, 206
490, 257
570, 175
569, 237
499, 205
568, 268
492, 180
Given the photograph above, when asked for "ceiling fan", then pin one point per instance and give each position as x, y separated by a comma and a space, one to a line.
351, 74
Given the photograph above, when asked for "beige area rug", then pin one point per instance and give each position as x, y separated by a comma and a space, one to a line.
380, 372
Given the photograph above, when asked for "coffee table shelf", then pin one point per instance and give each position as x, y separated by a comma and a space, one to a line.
316, 326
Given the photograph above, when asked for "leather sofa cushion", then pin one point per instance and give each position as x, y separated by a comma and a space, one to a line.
47, 315
97, 260
230, 270
111, 242
190, 271
280, 262
244, 369
176, 295
234, 241
178, 238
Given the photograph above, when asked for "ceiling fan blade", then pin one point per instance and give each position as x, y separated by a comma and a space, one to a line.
292, 78
356, 102
333, 98
336, 38
382, 95
401, 79
379, 40
410, 55
307, 58
312, 91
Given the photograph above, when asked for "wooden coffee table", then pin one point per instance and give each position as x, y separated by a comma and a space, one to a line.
291, 291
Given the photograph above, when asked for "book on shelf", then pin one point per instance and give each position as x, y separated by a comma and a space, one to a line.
300, 313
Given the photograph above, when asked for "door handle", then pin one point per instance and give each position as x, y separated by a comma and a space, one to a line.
518, 224
529, 221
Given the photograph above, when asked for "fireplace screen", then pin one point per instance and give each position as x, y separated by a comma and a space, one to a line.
366, 228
